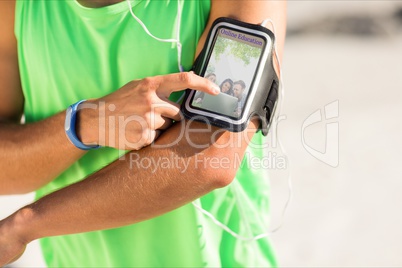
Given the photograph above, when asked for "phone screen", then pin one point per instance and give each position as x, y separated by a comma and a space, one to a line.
232, 65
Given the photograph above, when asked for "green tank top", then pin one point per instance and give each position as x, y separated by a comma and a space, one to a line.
67, 53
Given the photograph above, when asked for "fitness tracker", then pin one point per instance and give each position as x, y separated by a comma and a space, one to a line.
238, 57
69, 127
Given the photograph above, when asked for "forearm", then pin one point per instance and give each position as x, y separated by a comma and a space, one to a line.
136, 113
34, 154
125, 193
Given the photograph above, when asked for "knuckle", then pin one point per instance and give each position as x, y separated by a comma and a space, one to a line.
185, 77
149, 84
146, 138
148, 119
147, 102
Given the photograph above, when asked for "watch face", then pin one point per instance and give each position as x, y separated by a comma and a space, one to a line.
232, 63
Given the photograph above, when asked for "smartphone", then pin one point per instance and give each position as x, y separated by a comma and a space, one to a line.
237, 57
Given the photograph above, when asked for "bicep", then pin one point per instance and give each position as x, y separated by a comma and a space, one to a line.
251, 11
11, 97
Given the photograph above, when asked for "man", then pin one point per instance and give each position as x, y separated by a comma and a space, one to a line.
238, 91
92, 209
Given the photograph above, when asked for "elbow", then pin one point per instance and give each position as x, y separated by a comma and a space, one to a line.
221, 168
225, 179
224, 158
218, 178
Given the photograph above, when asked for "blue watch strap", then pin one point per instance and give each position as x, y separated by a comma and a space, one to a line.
69, 127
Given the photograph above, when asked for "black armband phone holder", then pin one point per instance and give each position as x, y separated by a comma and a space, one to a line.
238, 56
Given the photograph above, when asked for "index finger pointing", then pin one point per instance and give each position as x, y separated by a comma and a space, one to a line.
179, 81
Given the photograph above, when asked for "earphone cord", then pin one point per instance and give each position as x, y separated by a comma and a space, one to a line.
177, 40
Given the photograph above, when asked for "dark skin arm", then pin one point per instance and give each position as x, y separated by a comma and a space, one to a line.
15, 177
119, 194
29, 159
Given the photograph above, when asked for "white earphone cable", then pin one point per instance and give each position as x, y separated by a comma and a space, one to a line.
171, 40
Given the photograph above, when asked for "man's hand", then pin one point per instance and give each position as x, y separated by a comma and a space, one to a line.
129, 118
133, 116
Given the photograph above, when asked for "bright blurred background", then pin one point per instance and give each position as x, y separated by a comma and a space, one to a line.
345, 56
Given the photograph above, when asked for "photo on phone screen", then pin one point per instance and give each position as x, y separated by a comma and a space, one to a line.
232, 65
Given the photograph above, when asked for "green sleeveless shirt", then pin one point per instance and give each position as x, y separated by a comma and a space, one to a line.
67, 53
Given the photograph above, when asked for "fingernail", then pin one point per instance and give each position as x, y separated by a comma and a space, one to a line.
216, 89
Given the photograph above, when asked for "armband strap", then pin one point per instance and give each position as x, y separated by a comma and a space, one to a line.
269, 108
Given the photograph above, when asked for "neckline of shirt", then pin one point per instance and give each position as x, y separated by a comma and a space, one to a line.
102, 12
